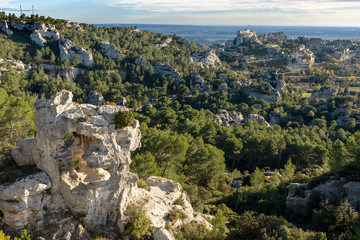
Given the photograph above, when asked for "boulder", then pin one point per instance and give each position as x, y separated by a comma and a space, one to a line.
163, 234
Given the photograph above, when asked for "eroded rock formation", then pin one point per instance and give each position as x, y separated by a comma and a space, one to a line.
84, 184
68, 50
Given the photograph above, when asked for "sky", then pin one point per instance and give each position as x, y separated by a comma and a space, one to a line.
196, 12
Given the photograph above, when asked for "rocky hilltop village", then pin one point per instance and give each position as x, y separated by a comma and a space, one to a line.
83, 186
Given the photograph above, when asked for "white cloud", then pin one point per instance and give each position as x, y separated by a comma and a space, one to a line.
230, 5
7, 3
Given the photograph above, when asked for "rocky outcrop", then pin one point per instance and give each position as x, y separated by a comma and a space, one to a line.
273, 78
95, 98
70, 24
68, 50
5, 27
84, 175
301, 200
18, 65
228, 119
43, 32
182, 40
234, 119
140, 61
198, 83
258, 118
325, 93
207, 59
23, 199
70, 73
166, 43
168, 71
266, 93
40, 31
109, 50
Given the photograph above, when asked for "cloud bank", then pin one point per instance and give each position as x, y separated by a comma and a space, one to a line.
163, 6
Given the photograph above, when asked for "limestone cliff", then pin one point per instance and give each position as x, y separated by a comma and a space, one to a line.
84, 186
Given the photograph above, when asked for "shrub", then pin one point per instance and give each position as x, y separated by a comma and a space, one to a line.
124, 118
180, 202
177, 214
139, 224
76, 163
142, 184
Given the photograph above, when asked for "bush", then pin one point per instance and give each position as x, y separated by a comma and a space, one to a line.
124, 118
180, 202
177, 214
139, 224
142, 184
76, 164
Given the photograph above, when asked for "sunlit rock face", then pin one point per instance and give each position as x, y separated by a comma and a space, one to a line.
84, 180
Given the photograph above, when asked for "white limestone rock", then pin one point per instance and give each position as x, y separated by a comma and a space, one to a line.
68, 50
227, 119
43, 32
110, 51
163, 234
209, 59
258, 118
24, 153
167, 70
24, 187
95, 98
18, 65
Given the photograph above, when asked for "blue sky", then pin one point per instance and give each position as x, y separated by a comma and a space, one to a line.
197, 12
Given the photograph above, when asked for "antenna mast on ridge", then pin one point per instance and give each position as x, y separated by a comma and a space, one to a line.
20, 10
33, 10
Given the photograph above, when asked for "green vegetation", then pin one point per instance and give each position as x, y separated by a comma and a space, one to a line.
138, 225
177, 214
76, 164
124, 118
142, 184
24, 236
